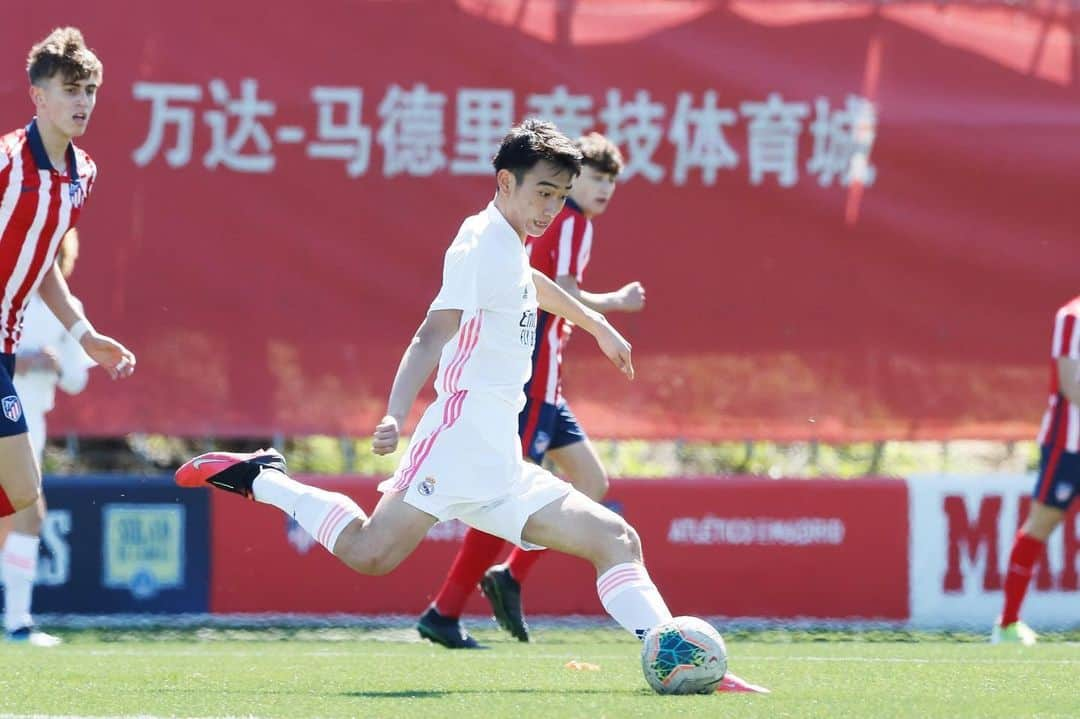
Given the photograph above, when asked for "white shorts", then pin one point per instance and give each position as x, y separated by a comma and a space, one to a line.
465, 462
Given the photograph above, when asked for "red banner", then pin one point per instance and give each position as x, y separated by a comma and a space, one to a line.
852, 220
821, 549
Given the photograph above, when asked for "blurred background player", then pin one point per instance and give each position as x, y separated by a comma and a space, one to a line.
546, 426
48, 357
1059, 473
54, 178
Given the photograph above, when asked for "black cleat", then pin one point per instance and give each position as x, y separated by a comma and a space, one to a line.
504, 594
446, 631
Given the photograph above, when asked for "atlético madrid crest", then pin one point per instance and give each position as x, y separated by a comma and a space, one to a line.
76, 193
12, 408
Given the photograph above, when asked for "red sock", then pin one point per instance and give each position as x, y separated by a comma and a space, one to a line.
521, 561
1026, 550
5, 504
478, 552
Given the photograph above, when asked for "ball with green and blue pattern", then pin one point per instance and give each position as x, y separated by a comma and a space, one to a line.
684, 656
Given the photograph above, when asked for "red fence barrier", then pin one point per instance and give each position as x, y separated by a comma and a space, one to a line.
822, 549
827, 203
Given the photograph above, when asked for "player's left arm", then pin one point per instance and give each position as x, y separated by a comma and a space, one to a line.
114, 357
557, 301
1069, 378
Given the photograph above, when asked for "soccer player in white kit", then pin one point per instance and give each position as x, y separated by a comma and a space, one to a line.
465, 459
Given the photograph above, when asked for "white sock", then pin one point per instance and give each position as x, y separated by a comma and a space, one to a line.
630, 597
18, 567
322, 514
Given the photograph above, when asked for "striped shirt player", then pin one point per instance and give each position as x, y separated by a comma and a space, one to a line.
1059, 436
547, 421
38, 204
44, 182
1058, 481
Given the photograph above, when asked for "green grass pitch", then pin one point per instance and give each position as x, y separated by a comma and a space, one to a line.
388, 673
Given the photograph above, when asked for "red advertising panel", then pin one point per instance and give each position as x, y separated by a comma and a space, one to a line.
818, 549
826, 202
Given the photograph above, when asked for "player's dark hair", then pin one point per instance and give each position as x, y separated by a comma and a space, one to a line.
601, 154
533, 141
63, 51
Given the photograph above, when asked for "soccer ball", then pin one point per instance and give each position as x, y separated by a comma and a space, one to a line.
684, 656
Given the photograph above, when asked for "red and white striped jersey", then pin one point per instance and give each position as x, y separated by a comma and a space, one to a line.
38, 204
563, 250
1061, 422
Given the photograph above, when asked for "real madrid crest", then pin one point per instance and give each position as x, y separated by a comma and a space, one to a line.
427, 487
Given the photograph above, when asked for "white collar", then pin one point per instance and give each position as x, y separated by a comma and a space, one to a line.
497, 218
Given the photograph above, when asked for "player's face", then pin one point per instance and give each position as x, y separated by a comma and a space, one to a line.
66, 105
593, 190
534, 202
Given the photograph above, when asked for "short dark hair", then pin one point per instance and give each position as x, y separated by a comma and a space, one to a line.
533, 141
601, 154
63, 51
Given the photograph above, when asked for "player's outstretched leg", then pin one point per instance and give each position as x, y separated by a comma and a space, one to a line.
577, 525
369, 545
231, 471
261, 476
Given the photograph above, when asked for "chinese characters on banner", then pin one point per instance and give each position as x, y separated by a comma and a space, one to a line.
409, 126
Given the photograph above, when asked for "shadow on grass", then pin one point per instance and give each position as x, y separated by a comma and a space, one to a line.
437, 694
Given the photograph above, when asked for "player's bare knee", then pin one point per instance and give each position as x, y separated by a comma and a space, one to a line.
623, 545
29, 520
634, 543
373, 558
384, 563
23, 496
361, 560
1042, 520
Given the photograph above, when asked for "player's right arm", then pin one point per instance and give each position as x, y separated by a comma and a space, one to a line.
419, 361
628, 298
552, 298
